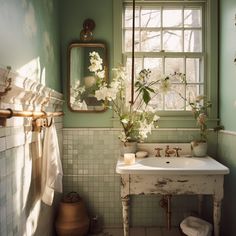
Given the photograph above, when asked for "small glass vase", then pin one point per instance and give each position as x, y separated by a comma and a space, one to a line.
128, 147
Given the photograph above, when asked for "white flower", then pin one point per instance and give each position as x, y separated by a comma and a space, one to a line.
100, 74
111, 93
95, 66
156, 118
81, 89
125, 121
144, 129
77, 83
101, 93
95, 62
165, 85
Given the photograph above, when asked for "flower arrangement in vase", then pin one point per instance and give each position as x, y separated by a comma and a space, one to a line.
137, 119
199, 109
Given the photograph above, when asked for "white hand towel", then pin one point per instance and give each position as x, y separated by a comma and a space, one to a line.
51, 166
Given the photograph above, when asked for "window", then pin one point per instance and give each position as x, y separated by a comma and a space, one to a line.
168, 38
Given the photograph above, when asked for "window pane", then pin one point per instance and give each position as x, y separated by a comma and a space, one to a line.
174, 65
192, 18
150, 41
155, 65
137, 67
193, 70
172, 40
128, 20
150, 18
192, 91
128, 41
172, 18
192, 41
157, 102
172, 99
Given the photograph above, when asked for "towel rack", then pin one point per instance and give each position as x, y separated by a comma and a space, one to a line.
9, 113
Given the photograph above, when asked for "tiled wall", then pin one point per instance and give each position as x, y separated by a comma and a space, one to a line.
20, 206
21, 211
89, 161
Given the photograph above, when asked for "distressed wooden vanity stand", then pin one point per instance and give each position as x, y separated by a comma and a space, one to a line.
134, 184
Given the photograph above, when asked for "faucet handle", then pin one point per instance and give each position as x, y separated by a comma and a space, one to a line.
158, 154
177, 149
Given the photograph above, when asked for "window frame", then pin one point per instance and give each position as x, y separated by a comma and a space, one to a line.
210, 52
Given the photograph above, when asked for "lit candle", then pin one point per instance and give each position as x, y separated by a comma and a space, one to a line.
129, 158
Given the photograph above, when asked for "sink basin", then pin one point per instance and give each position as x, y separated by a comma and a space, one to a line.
173, 166
174, 162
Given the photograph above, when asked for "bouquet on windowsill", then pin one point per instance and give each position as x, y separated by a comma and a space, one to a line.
137, 119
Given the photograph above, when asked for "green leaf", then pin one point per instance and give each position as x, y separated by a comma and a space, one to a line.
150, 89
146, 96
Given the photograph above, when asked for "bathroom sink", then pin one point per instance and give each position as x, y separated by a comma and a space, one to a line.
174, 162
184, 165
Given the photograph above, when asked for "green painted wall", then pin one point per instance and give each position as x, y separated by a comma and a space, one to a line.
29, 36
72, 16
227, 65
226, 155
227, 140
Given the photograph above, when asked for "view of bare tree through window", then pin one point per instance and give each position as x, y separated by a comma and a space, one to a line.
168, 39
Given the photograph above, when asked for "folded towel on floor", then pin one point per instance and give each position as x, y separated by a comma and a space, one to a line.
51, 166
193, 226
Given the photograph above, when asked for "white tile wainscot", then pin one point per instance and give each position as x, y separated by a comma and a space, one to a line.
206, 179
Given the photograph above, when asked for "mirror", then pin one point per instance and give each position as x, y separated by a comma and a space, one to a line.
83, 80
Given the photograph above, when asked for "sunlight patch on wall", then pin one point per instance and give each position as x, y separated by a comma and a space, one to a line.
30, 25
48, 47
31, 70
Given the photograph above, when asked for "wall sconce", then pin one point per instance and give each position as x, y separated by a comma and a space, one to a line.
86, 34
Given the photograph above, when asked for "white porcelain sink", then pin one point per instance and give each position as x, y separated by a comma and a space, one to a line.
173, 166
175, 162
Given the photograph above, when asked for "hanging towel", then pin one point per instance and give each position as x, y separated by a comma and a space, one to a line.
193, 226
51, 166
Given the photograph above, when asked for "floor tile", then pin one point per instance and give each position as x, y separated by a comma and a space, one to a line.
153, 232
172, 232
137, 231
113, 232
